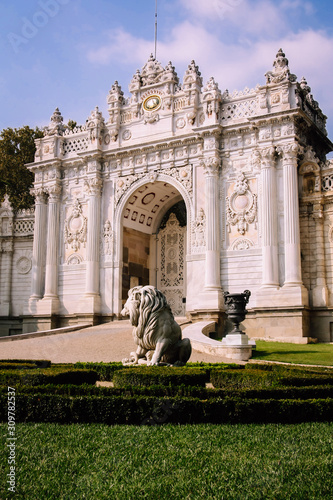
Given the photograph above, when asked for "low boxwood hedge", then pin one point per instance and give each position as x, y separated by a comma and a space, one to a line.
105, 370
42, 376
159, 375
242, 379
149, 410
320, 392
39, 363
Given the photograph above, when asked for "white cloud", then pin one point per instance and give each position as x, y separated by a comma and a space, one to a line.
121, 47
260, 18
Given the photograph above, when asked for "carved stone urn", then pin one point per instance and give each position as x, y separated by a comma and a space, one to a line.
236, 308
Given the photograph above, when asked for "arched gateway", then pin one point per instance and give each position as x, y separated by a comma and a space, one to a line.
187, 188
153, 246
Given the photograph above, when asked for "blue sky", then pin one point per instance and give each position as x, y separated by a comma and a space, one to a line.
68, 53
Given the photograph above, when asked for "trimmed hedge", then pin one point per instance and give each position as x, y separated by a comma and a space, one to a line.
152, 410
242, 379
39, 363
320, 392
17, 366
159, 375
105, 371
273, 367
49, 376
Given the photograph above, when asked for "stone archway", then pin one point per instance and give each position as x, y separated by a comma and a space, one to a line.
139, 243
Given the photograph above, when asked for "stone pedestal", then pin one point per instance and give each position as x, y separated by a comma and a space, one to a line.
236, 346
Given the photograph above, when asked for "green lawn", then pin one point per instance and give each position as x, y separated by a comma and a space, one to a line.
306, 354
171, 462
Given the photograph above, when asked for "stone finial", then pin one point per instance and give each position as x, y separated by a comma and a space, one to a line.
170, 73
115, 93
281, 70
304, 86
136, 82
192, 74
95, 118
211, 85
151, 72
56, 126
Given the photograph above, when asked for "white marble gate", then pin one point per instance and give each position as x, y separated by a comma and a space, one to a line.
171, 271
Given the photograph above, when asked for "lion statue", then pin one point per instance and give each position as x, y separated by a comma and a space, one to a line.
156, 333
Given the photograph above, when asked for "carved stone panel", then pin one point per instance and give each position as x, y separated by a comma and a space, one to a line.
241, 211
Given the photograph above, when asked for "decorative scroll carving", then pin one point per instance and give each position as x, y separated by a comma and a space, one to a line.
242, 244
107, 238
76, 227
241, 206
199, 233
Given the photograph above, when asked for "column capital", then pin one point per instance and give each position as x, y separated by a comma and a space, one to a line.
39, 194
289, 152
211, 165
54, 192
93, 186
268, 156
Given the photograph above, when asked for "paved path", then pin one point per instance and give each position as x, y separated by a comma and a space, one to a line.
109, 342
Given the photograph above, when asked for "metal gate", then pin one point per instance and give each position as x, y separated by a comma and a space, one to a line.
171, 274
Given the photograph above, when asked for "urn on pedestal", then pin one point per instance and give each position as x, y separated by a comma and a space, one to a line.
236, 308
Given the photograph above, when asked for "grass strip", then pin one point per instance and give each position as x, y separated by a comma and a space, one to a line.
306, 354
229, 462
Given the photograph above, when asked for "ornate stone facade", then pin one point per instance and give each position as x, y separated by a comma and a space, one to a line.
250, 169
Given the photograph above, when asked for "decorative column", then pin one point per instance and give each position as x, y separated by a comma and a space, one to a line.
292, 247
212, 274
211, 297
92, 293
39, 244
270, 268
320, 292
51, 269
6, 278
6, 255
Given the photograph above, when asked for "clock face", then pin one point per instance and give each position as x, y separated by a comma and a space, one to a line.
152, 103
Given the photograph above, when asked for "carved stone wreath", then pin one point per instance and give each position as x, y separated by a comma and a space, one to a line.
241, 206
76, 227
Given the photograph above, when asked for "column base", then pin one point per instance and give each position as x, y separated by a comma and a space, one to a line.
319, 296
47, 306
89, 304
278, 324
5, 309
287, 296
211, 298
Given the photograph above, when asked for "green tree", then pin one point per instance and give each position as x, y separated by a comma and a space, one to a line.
17, 147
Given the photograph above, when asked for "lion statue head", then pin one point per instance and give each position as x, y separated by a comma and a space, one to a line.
155, 330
